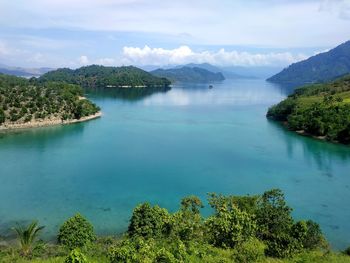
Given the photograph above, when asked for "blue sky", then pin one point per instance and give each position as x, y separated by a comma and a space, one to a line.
72, 33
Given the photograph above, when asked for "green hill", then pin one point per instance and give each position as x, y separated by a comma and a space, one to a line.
23, 101
99, 77
319, 68
321, 110
189, 74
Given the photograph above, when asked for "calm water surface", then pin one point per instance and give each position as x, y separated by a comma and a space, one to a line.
160, 147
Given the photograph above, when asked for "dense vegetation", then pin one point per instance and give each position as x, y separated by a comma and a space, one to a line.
319, 110
241, 229
100, 77
189, 74
23, 100
319, 68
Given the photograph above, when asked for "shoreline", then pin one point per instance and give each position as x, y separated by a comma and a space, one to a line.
305, 134
46, 123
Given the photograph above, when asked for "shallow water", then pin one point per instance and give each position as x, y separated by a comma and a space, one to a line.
160, 147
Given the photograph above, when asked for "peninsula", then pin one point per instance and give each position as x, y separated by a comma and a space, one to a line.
28, 103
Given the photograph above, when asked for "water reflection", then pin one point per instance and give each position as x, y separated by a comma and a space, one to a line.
323, 154
132, 94
43, 136
231, 93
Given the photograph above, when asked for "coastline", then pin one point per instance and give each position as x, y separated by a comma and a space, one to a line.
46, 123
305, 134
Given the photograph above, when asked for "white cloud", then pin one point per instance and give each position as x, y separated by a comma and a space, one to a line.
4, 49
106, 61
341, 8
287, 23
184, 54
84, 60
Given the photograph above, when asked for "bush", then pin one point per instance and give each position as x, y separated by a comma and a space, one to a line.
149, 222
76, 232
347, 251
76, 256
229, 228
164, 256
249, 251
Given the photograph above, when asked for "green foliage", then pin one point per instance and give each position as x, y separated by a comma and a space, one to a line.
148, 221
275, 222
347, 251
22, 100
309, 235
100, 77
2, 116
27, 236
76, 256
229, 226
320, 110
76, 232
249, 251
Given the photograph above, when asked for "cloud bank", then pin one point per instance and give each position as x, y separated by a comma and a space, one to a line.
184, 55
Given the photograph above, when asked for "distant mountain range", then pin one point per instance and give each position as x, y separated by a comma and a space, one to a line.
23, 72
95, 76
233, 72
319, 68
189, 74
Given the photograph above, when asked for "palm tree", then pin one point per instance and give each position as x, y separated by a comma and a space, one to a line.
27, 236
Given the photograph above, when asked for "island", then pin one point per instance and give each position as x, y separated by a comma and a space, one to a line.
319, 110
189, 74
28, 103
96, 76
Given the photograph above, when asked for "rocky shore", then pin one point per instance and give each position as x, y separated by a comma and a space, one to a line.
47, 122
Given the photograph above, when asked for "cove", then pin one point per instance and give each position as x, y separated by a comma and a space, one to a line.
162, 146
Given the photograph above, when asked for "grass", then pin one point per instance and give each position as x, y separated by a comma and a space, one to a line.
314, 256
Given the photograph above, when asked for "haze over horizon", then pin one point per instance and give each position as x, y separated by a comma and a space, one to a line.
230, 33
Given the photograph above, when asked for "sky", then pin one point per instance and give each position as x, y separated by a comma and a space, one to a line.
74, 33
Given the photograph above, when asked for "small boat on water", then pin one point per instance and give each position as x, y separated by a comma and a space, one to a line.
211, 86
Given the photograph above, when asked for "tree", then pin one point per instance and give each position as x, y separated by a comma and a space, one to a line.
76, 232
187, 223
2, 116
149, 222
274, 223
230, 227
27, 236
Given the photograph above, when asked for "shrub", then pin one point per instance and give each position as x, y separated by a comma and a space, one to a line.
164, 256
27, 236
76, 256
76, 232
249, 251
347, 251
229, 228
149, 222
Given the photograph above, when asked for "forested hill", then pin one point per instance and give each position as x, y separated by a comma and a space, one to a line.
321, 110
23, 101
188, 74
319, 68
99, 77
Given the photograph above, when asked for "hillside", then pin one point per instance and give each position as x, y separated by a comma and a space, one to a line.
321, 110
227, 72
99, 77
189, 74
319, 68
26, 103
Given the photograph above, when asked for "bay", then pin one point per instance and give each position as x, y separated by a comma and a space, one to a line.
161, 146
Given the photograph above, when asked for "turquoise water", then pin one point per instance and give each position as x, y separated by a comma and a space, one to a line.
160, 147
